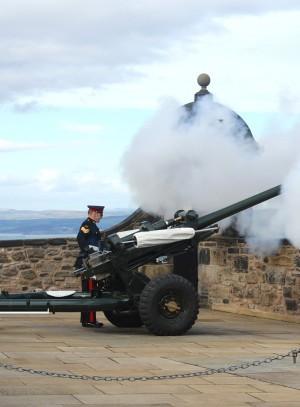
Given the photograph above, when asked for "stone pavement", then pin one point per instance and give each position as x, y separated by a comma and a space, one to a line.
59, 343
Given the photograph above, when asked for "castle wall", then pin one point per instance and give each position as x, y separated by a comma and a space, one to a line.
236, 280
230, 276
38, 264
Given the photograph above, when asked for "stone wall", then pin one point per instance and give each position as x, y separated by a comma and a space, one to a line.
27, 265
230, 276
38, 264
236, 280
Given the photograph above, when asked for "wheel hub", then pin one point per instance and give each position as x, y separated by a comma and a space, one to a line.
170, 306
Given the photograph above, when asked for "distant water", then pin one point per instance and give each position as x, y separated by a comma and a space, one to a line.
48, 228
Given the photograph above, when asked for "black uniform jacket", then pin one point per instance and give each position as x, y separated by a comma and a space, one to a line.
89, 234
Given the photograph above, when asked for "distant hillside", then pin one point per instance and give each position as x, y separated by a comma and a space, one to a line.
13, 214
41, 228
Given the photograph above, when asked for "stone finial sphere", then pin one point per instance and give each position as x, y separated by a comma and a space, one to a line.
203, 80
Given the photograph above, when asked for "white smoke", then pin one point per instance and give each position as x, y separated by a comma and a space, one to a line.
291, 205
204, 162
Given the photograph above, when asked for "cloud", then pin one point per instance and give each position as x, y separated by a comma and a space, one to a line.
51, 180
56, 189
66, 45
13, 181
9, 146
25, 107
47, 179
83, 128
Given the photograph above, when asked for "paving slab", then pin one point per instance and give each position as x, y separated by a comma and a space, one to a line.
58, 343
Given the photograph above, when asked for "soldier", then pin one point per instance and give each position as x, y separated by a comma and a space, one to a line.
89, 240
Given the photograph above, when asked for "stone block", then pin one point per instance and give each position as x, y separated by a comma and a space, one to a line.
241, 264
3, 258
252, 278
24, 266
287, 291
70, 279
250, 292
291, 304
61, 274
72, 246
209, 244
48, 266
290, 280
297, 261
28, 275
237, 290
282, 260
233, 250
18, 255
52, 252
70, 254
35, 284
275, 277
9, 271
36, 253
204, 256
218, 257
268, 298
67, 267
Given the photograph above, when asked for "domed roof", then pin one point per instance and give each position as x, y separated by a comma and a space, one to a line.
203, 96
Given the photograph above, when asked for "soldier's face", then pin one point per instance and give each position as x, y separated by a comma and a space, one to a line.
96, 216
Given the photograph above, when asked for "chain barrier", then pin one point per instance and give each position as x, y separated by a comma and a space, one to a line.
229, 369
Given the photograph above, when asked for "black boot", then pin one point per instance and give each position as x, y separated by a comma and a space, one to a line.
96, 324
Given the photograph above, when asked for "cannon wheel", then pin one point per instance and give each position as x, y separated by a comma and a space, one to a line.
124, 319
169, 305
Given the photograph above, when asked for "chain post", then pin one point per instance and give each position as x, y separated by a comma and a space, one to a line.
294, 355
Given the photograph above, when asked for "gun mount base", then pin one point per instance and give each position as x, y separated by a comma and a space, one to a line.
124, 319
77, 302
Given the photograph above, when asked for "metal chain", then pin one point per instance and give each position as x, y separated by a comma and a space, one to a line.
245, 365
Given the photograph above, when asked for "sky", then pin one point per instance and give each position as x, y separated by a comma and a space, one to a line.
80, 79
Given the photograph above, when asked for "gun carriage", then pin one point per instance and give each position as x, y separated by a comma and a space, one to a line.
166, 305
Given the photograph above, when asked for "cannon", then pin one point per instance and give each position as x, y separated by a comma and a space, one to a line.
166, 305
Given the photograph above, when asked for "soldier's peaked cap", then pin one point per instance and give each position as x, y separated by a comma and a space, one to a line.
96, 208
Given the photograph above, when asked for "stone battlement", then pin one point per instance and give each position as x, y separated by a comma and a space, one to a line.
237, 280
38, 264
231, 278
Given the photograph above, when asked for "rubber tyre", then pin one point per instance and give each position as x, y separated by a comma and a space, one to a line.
124, 319
152, 312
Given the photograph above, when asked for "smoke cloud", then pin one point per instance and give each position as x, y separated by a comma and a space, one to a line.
204, 161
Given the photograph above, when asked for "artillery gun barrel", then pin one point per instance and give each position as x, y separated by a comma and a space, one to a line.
191, 219
230, 210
